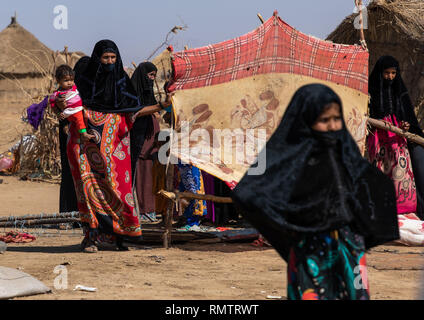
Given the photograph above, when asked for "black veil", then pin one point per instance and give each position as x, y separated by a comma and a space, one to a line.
267, 200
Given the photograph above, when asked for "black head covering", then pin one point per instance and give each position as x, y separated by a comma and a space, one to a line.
391, 97
80, 67
106, 91
316, 182
143, 126
143, 84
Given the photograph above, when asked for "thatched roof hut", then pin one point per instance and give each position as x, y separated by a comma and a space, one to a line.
24, 64
27, 65
16, 44
395, 27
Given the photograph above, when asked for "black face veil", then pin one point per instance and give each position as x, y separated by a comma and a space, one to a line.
143, 84
267, 200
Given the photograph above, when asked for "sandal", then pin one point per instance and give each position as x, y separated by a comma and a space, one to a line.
261, 242
90, 249
88, 246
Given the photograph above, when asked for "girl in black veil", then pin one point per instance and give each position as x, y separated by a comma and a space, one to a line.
143, 155
392, 154
101, 167
319, 202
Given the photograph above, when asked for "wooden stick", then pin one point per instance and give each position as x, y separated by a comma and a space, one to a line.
135, 66
74, 214
170, 208
389, 127
25, 223
189, 195
361, 20
260, 18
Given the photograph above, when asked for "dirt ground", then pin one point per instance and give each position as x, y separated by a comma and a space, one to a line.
196, 270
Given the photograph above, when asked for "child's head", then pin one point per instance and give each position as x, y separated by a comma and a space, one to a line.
319, 106
65, 77
330, 119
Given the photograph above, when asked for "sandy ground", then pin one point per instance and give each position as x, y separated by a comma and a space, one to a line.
196, 270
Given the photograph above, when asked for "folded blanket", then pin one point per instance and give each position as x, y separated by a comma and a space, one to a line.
411, 230
17, 237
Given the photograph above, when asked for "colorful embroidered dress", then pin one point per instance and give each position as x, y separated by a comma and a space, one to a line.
191, 180
102, 175
328, 266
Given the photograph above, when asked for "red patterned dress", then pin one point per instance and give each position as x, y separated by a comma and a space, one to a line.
101, 170
389, 152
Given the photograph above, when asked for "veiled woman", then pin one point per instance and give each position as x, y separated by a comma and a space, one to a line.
143, 155
319, 202
101, 168
399, 159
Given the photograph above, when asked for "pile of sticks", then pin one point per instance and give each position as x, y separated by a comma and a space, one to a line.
43, 157
39, 219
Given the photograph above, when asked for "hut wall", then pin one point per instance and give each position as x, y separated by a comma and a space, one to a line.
12, 96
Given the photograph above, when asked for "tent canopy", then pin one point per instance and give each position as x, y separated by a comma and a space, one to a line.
245, 84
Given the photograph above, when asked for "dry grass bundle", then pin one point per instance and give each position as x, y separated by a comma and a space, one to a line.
41, 156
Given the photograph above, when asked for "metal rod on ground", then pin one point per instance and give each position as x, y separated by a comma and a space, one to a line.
24, 223
389, 127
74, 214
189, 195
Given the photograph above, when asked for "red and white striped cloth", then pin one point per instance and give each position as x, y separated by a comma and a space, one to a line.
274, 58
274, 47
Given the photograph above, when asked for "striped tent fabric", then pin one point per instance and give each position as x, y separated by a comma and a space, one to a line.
241, 87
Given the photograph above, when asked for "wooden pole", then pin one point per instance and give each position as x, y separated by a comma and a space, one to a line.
26, 223
260, 18
63, 215
361, 21
389, 127
189, 195
65, 50
170, 208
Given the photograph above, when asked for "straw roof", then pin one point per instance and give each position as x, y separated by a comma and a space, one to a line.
396, 28
21, 52
388, 20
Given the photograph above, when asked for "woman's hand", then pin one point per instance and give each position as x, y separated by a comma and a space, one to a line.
85, 136
148, 110
66, 130
168, 101
60, 102
61, 116
405, 125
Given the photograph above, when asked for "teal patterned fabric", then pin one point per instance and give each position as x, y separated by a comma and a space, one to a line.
328, 266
